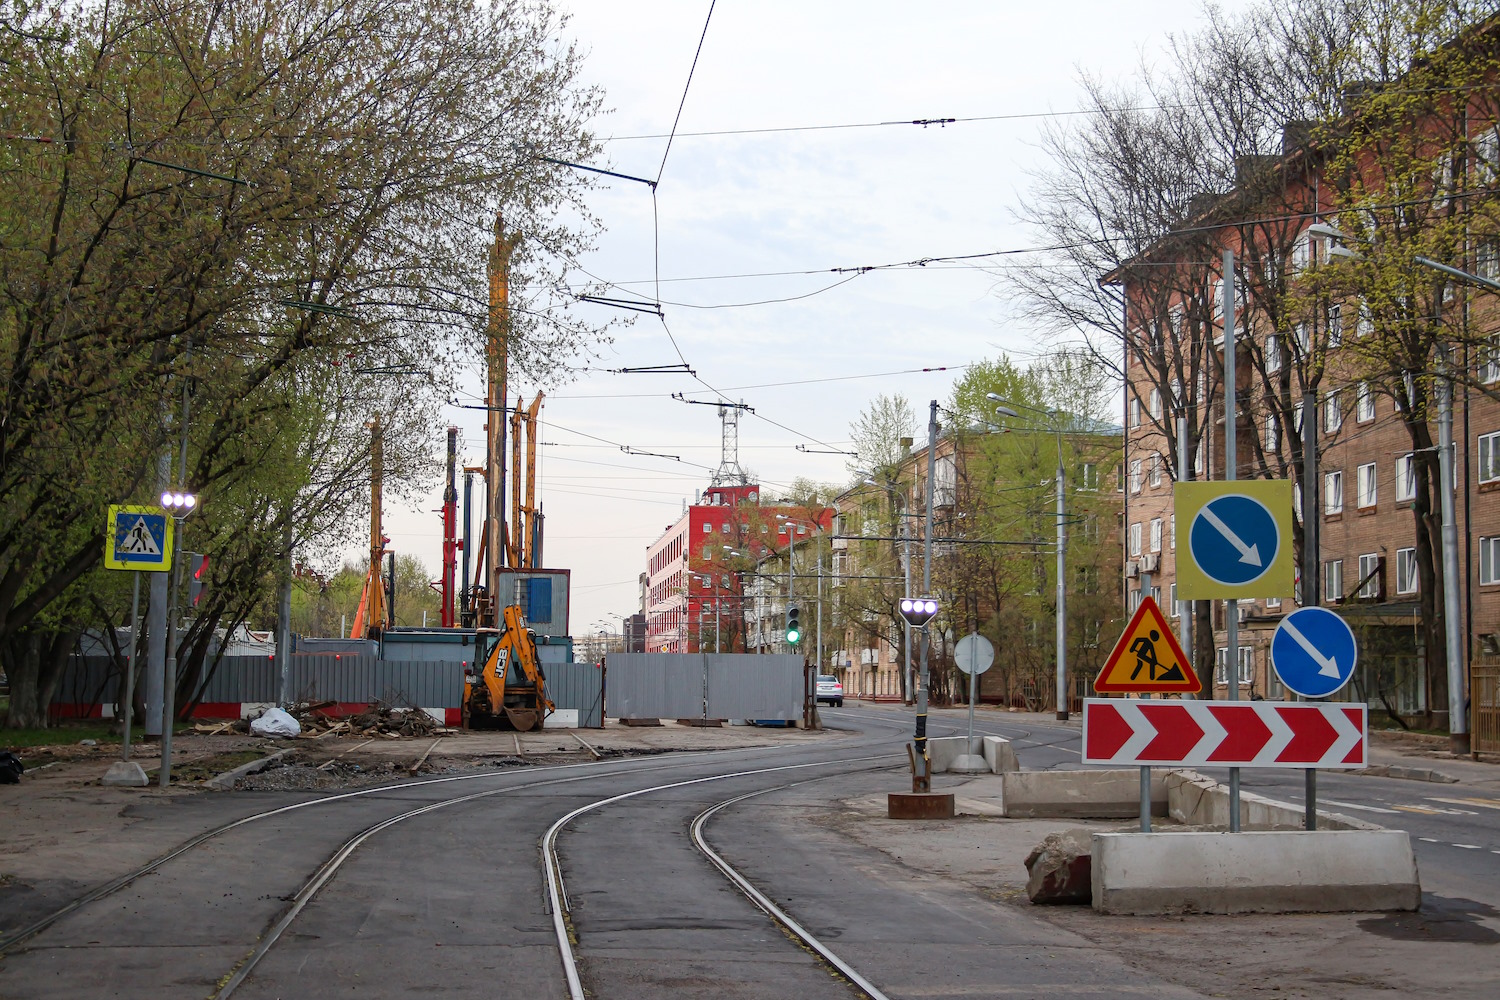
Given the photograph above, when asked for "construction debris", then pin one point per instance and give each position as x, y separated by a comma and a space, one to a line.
377, 720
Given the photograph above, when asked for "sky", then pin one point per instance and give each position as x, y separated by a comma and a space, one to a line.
746, 220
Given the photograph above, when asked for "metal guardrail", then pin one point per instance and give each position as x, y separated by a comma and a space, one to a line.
1485, 702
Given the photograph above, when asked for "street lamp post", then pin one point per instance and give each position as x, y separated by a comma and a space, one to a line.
1458, 720
1004, 409
890, 488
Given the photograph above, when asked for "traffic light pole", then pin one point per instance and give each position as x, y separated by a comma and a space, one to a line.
922, 775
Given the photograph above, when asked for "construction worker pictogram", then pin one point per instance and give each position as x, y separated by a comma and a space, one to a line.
1147, 658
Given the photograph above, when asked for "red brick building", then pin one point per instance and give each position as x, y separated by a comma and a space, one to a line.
695, 572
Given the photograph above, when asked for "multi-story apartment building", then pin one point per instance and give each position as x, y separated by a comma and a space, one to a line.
1328, 354
697, 571
994, 560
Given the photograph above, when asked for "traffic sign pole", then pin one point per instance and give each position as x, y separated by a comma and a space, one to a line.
126, 702
1232, 610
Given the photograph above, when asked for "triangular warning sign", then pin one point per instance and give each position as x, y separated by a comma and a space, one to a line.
1147, 659
137, 540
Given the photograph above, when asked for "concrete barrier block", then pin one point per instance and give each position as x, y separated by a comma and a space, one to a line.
1114, 794
1258, 872
1000, 755
944, 750
1196, 800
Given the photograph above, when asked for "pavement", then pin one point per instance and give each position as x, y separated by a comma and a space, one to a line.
65, 834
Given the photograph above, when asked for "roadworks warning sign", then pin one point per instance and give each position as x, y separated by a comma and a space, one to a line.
1147, 659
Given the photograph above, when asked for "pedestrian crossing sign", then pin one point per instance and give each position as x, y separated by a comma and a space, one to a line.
138, 537
1147, 659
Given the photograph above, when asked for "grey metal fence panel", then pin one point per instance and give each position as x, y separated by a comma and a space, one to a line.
243, 678
578, 686
654, 685
87, 680
750, 686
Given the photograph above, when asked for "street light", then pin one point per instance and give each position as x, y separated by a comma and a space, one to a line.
1458, 722
1004, 409
890, 488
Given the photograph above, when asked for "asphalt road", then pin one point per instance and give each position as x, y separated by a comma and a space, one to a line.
452, 900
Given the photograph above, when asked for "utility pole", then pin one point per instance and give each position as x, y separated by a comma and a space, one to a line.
1458, 717
1310, 577
1063, 702
924, 763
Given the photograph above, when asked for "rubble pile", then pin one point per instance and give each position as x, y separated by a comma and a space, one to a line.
378, 720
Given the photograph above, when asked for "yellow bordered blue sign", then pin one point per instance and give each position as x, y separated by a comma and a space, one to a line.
1239, 539
138, 537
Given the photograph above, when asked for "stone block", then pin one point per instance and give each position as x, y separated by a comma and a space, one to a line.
1000, 754
1060, 868
1114, 794
920, 805
125, 774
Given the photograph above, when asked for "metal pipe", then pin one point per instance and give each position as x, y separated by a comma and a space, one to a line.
1310, 578
126, 703
1063, 702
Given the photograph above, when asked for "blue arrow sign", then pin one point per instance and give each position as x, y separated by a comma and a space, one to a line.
1314, 652
1234, 539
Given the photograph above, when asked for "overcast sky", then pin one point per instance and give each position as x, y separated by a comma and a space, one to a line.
736, 212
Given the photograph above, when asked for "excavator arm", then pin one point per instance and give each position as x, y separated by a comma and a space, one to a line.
512, 685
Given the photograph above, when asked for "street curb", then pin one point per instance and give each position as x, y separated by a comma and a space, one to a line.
225, 782
1409, 773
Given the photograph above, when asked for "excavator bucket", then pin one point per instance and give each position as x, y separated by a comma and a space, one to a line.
524, 720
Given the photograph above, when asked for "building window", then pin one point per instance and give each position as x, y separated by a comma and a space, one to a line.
1156, 470
1489, 559
1273, 602
1489, 361
1333, 580
1273, 431
1135, 539
707, 527
1304, 343
1135, 475
1489, 457
1406, 477
1369, 574
1135, 411
1156, 534
1273, 353
1176, 604
1406, 571
1365, 484
1089, 476
708, 551
1156, 403
1335, 325
1333, 492
1199, 462
1364, 403
1247, 665
724, 527
1333, 416
1487, 156
1173, 531
1364, 324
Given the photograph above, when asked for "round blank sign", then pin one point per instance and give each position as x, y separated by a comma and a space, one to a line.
974, 654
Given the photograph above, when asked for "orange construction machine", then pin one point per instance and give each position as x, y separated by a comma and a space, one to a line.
510, 689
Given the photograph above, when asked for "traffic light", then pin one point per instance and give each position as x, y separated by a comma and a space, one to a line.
918, 611
197, 577
793, 625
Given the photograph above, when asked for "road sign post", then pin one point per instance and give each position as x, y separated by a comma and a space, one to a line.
974, 654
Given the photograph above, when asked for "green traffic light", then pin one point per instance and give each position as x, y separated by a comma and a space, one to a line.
793, 636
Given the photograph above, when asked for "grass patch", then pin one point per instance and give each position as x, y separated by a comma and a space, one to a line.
62, 734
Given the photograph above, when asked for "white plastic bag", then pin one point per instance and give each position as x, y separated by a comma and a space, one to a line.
275, 722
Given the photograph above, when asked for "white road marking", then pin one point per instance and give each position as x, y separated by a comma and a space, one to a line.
1469, 847
1355, 805
1429, 840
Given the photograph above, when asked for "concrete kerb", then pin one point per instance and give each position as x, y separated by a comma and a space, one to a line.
1256, 872
225, 782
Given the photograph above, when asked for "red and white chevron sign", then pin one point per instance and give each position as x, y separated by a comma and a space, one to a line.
1228, 733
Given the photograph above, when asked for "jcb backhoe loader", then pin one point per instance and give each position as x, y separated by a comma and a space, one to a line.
510, 689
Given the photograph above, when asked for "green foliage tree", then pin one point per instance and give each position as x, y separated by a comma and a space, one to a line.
274, 207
